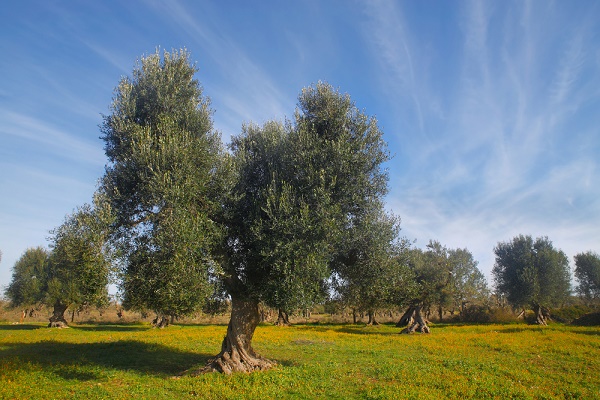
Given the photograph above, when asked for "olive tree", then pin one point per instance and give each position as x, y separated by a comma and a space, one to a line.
164, 180
26, 288
446, 279
79, 263
532, 274
468, 285
368, 275
587, 272
299, 188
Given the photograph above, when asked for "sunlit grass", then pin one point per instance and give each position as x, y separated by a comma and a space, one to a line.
315, 361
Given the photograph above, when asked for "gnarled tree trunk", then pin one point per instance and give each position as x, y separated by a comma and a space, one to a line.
57, 320
161, 321
413, 321
372, 320
282, 319
237, 354
542, 314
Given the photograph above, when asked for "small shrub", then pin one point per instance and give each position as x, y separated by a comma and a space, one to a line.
570, 313
591, 319
476, 313
484, 314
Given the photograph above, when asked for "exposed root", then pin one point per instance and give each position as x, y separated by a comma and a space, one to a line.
414, 321
230, 362
58, 324
57, 320
237, 354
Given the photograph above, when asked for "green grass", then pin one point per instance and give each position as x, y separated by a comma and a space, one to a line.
315, 361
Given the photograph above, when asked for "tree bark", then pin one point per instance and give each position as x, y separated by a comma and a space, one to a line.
542, 314
413, 321
282, 319
161, 321
237, 354
372, 320
57, 320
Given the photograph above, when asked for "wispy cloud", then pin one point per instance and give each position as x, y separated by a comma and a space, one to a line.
508, 162
63, 144
386, 28
245, 91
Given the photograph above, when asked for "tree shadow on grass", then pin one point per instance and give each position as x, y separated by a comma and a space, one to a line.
590, 333
89, 361
19, 327
112, 328
358, 329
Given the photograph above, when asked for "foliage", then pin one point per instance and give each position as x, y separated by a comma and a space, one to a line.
298, 190
28, 277
446, 278
338, 361
587, 272
79, 263
570, 313
468, 285
591, 319
276, 241
369, 275
164, 181
531, 273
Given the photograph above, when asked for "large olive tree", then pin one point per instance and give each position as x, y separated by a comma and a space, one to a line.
164, 180
299, 189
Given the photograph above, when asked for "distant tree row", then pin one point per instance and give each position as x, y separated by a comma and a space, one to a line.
292, 213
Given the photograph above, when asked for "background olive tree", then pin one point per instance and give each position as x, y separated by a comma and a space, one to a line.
74, 273
368, 275
26, 288
80, 261
587, 272
532, 274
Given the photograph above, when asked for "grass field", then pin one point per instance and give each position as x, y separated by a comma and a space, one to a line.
315, 361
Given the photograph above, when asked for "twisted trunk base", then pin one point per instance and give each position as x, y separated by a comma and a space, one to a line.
282, 319
542, 314
237, 354
372, 321
413, 321
161, 321
57, 320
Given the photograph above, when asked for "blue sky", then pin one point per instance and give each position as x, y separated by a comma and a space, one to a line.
491, 108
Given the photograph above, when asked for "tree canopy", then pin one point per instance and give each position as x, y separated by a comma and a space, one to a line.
28, 277
368, 275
